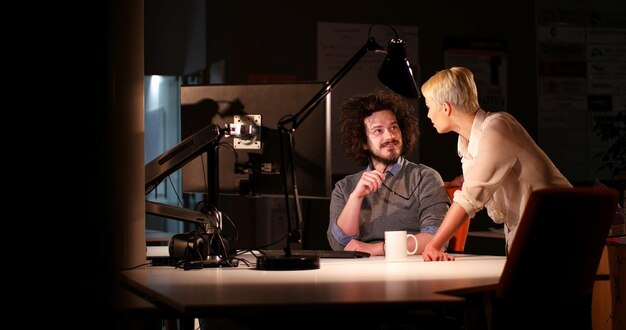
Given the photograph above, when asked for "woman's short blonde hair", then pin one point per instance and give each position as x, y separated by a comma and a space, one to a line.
454, 85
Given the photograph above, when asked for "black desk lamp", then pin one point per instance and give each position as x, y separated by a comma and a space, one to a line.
396, 74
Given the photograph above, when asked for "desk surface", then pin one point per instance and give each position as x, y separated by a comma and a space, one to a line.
339, 282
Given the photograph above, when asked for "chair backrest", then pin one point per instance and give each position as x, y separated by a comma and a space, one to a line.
457, 242
555, 255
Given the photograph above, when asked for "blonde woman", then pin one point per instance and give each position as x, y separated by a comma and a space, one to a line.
501, 163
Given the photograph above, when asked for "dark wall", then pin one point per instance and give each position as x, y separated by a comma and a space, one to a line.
257, 38
175, 39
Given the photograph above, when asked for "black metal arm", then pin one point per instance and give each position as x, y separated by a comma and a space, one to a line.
288, 125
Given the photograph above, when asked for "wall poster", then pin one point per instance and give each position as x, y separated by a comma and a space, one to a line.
581, 81
488, 61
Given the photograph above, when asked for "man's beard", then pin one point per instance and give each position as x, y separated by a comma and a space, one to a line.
389, 160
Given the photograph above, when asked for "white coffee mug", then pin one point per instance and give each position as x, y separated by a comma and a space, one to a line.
396, 244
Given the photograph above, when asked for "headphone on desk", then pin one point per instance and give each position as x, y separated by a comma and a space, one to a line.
193, 246
204, 245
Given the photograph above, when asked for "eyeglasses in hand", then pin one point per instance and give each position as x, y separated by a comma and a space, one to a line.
400, 195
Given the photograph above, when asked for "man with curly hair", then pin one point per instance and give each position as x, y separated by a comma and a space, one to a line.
391, 192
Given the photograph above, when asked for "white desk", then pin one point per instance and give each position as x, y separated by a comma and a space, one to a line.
338, 284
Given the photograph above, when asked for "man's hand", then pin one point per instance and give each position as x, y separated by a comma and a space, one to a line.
374, 249
369, 182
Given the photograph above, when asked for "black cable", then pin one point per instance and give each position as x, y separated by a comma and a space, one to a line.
264, 246
243, 260
180, 201
230, 147
236, 232
223, 215
180, 264
140, 265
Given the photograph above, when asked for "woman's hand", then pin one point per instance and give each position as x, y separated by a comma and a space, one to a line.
432, 254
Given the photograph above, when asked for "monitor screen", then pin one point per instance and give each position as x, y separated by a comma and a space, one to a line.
254, 169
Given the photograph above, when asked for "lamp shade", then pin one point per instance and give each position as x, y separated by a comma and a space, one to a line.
396, 72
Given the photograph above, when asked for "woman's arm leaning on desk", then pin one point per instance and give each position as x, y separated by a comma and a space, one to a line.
434, 250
